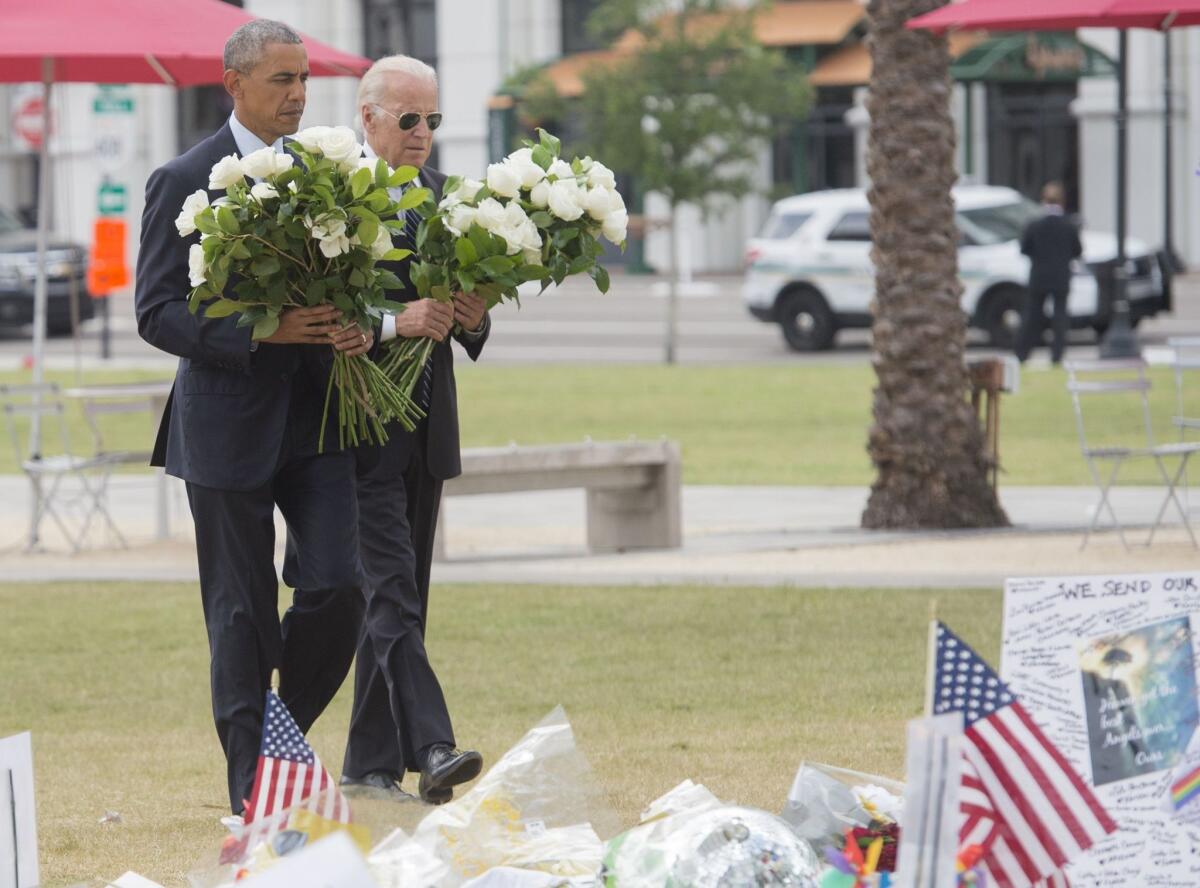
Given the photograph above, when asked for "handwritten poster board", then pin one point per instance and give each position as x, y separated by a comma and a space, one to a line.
1107, 666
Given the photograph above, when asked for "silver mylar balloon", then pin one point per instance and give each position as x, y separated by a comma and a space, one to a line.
734, 847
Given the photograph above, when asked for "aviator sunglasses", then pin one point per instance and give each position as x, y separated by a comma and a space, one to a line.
410, 119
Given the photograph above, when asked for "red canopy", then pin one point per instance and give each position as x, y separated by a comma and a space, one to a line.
1059, 15
178, 42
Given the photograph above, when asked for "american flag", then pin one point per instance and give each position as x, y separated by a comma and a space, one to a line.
1021, 801
289, 773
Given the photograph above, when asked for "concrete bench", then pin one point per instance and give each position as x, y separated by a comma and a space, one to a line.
633, 487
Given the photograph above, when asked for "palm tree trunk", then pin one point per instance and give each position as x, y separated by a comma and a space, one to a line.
926, 442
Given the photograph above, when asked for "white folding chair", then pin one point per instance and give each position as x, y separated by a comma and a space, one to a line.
1185, 362
1124, 387
47, 471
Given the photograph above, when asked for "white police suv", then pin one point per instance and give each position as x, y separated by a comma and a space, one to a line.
810, 269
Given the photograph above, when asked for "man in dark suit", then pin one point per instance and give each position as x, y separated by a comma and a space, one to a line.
400, 721
241, 428
1051, 243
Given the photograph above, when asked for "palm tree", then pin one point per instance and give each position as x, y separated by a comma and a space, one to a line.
926, 442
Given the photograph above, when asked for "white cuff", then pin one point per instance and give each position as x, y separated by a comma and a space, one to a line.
389, 328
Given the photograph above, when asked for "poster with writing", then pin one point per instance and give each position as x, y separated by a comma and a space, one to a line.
1139, 698
1107, 667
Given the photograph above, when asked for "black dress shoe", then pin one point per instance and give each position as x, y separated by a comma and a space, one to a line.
445, 767
375, 785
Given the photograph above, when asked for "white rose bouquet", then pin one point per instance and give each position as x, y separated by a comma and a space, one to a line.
535, 218
306, 234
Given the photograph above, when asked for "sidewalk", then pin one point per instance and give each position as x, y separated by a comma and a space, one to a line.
799, 536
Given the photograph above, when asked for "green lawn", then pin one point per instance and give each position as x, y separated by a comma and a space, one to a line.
771, 424
730, 687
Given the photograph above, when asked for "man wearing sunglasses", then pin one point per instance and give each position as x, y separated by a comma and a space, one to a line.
399, 721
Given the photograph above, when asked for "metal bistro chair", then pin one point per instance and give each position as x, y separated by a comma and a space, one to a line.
1124, 384
47, 471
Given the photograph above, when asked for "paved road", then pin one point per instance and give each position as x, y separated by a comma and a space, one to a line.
576, 324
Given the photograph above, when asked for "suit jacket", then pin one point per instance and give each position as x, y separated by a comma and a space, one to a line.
1050, 242
442, 445
229, 409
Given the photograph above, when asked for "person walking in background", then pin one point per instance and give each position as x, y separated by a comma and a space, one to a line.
1051, 242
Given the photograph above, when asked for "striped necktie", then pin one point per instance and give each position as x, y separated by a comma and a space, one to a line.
424, 389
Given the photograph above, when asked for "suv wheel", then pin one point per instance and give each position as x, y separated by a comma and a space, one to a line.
1002, 316
806, 321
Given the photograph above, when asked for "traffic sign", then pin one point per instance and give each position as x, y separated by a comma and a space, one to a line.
27, 122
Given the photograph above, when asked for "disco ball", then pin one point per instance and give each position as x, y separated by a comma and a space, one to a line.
734, 847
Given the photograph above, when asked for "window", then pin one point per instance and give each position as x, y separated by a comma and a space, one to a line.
575, 34
854, 226
407, 27
995, 225
781, 225
201, 110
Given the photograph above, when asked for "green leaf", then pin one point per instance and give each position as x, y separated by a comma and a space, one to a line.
396, 254
533, 273
390, 305
239, 250
495, 266
583, 263
227, 221
451, 184
381, 173
222, 308
481, 239
265, 326
264, 266
379, 201
314, 293
549, 142
368, 229
402, 175
600, 276
206, 223
388, 280
414, 197
357, 278
542, 219
465, 281
465, 251
360, 182
565, 236
441, 293
542, 157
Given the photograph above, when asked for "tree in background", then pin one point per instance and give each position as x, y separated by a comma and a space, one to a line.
687, 109
926, 442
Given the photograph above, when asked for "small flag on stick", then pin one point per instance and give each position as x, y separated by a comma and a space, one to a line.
1021, 801
289, 773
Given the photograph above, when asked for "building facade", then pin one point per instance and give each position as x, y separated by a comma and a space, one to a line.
1037, 111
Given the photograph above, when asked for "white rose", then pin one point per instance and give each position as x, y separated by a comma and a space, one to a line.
225, 172
468, 188
539, 196
340, 145
528, 171
615, 225
599, 203
503, 179
531, 238
532, 257
383, 242
263, 191
489, 215
283, 163
514, 215
598, 175
561, 169
195, 202
459, 219
196, 265
565, 200
259, 164
512, 237
310, 139
335, 245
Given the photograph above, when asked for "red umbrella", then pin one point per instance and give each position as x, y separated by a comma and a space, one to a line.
1061, 15
176, 42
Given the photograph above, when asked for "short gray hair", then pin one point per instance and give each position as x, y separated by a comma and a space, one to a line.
245, 46
371, 88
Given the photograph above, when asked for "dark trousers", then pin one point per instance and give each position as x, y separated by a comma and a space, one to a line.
1033, 323
399, 709
313, 645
